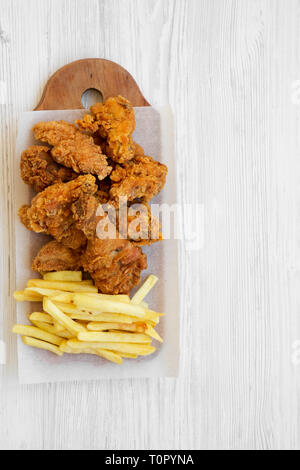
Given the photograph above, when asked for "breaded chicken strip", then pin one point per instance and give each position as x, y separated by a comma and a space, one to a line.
56, 257
135, 223
142, 178
72, 148
114, 121
39, 170
115, 265
50, 211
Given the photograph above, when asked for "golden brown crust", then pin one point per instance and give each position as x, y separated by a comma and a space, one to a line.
114, 121
39, 170
142, 178
53, 132
56, 257
24, 216
115, 265
72, 148
50, 211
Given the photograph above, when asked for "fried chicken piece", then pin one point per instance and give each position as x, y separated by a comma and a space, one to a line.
103, 190
142, 227
74, 238
56, 257
138, 151
85, 214
54, 132
114, 121
50, 211
135, 223
115, 265
24, 216
39, 170
142, 178
72, 148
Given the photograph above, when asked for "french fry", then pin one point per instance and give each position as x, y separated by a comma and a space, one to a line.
117, 298
36, 343
144, 290
129, 356
103, 317
65, 306
109, 356
109, 306
65, 348
39, 316
140, 349
152, 316
63, 298
46, 318
145, 305
75, 276
95, 337
63, 286
152, 322
109, 317
68, 298
50, 329
43, 292
58, 327
22, 296
102, 326
153, 334
70, 308
79, 313
61, 317
79, 320
32, 331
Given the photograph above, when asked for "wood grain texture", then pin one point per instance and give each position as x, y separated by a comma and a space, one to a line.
227, 68
65, 88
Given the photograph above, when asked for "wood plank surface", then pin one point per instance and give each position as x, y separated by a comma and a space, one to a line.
230, 70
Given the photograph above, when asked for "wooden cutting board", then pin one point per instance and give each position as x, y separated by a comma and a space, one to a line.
66, 87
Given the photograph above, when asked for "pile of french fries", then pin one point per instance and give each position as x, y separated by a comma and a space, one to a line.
76, 319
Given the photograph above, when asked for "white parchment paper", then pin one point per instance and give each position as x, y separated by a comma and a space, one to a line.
154, 131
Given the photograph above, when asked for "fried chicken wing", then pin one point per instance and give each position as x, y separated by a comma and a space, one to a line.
50, 211
140, 179
56, 257
72, 148
39, 170
114, 121
135, 223
115, 265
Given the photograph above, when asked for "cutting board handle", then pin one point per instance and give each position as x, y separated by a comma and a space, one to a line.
66, 87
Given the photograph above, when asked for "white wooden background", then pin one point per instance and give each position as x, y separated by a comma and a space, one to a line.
227, 67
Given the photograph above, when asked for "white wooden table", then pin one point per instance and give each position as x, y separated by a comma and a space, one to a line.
229, 68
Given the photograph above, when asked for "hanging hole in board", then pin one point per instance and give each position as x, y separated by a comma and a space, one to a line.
91, 97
